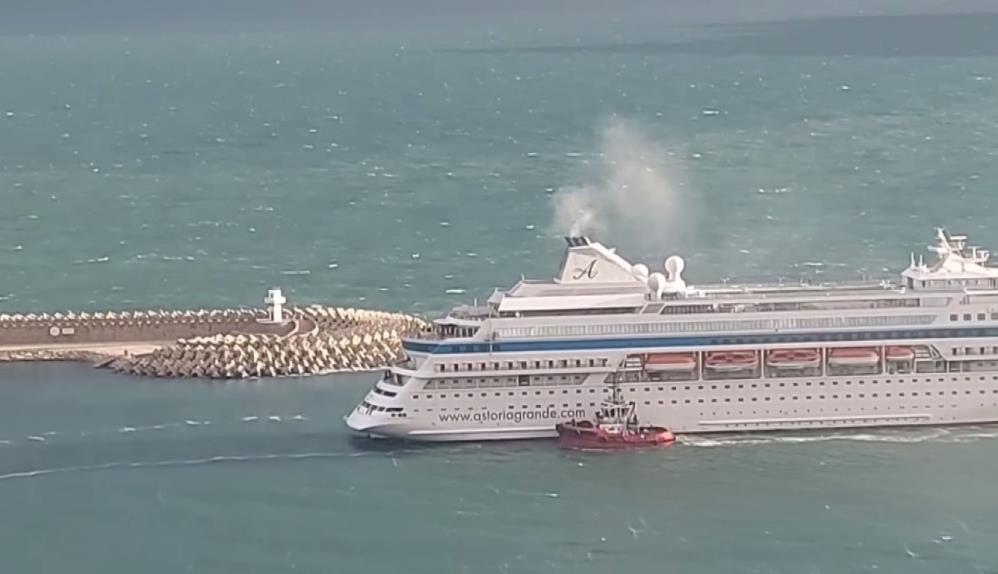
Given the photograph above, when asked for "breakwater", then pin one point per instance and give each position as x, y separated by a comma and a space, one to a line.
129, 326
325, 340
219, 343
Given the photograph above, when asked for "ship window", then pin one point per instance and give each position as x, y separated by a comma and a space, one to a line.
966, 316
952, 317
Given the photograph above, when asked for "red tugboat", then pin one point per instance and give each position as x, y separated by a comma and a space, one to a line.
616, 427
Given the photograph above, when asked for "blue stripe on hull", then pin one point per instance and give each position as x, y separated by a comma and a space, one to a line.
696, 341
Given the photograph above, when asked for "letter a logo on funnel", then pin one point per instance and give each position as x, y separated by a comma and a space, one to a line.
589, 271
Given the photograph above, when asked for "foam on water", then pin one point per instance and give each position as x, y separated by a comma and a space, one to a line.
899, 436
189, 425
174, 463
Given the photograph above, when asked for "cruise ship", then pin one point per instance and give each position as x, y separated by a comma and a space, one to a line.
701, 359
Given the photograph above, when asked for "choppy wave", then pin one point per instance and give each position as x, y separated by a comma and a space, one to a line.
190, 424
963, 434
176, 463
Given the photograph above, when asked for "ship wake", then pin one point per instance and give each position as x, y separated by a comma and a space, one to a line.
966, 434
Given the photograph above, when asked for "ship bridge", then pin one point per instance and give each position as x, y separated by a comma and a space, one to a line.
957, 265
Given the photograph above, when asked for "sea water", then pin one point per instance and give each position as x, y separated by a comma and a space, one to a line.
169, 170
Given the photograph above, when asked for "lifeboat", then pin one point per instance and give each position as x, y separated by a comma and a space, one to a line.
793, 358
853, 356
731, 360
899, 354
671, 362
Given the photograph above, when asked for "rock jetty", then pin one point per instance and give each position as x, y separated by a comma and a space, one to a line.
324, 340
217, 344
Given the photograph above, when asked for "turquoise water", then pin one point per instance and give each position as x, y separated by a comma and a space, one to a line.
262, 477
170, 170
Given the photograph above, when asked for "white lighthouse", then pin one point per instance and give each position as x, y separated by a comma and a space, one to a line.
275, 300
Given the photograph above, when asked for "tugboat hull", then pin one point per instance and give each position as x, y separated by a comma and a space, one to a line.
590, 437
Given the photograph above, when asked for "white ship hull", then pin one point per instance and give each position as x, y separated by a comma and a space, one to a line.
365, 426
802, 403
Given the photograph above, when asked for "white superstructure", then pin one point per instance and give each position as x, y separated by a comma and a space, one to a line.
701, 359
